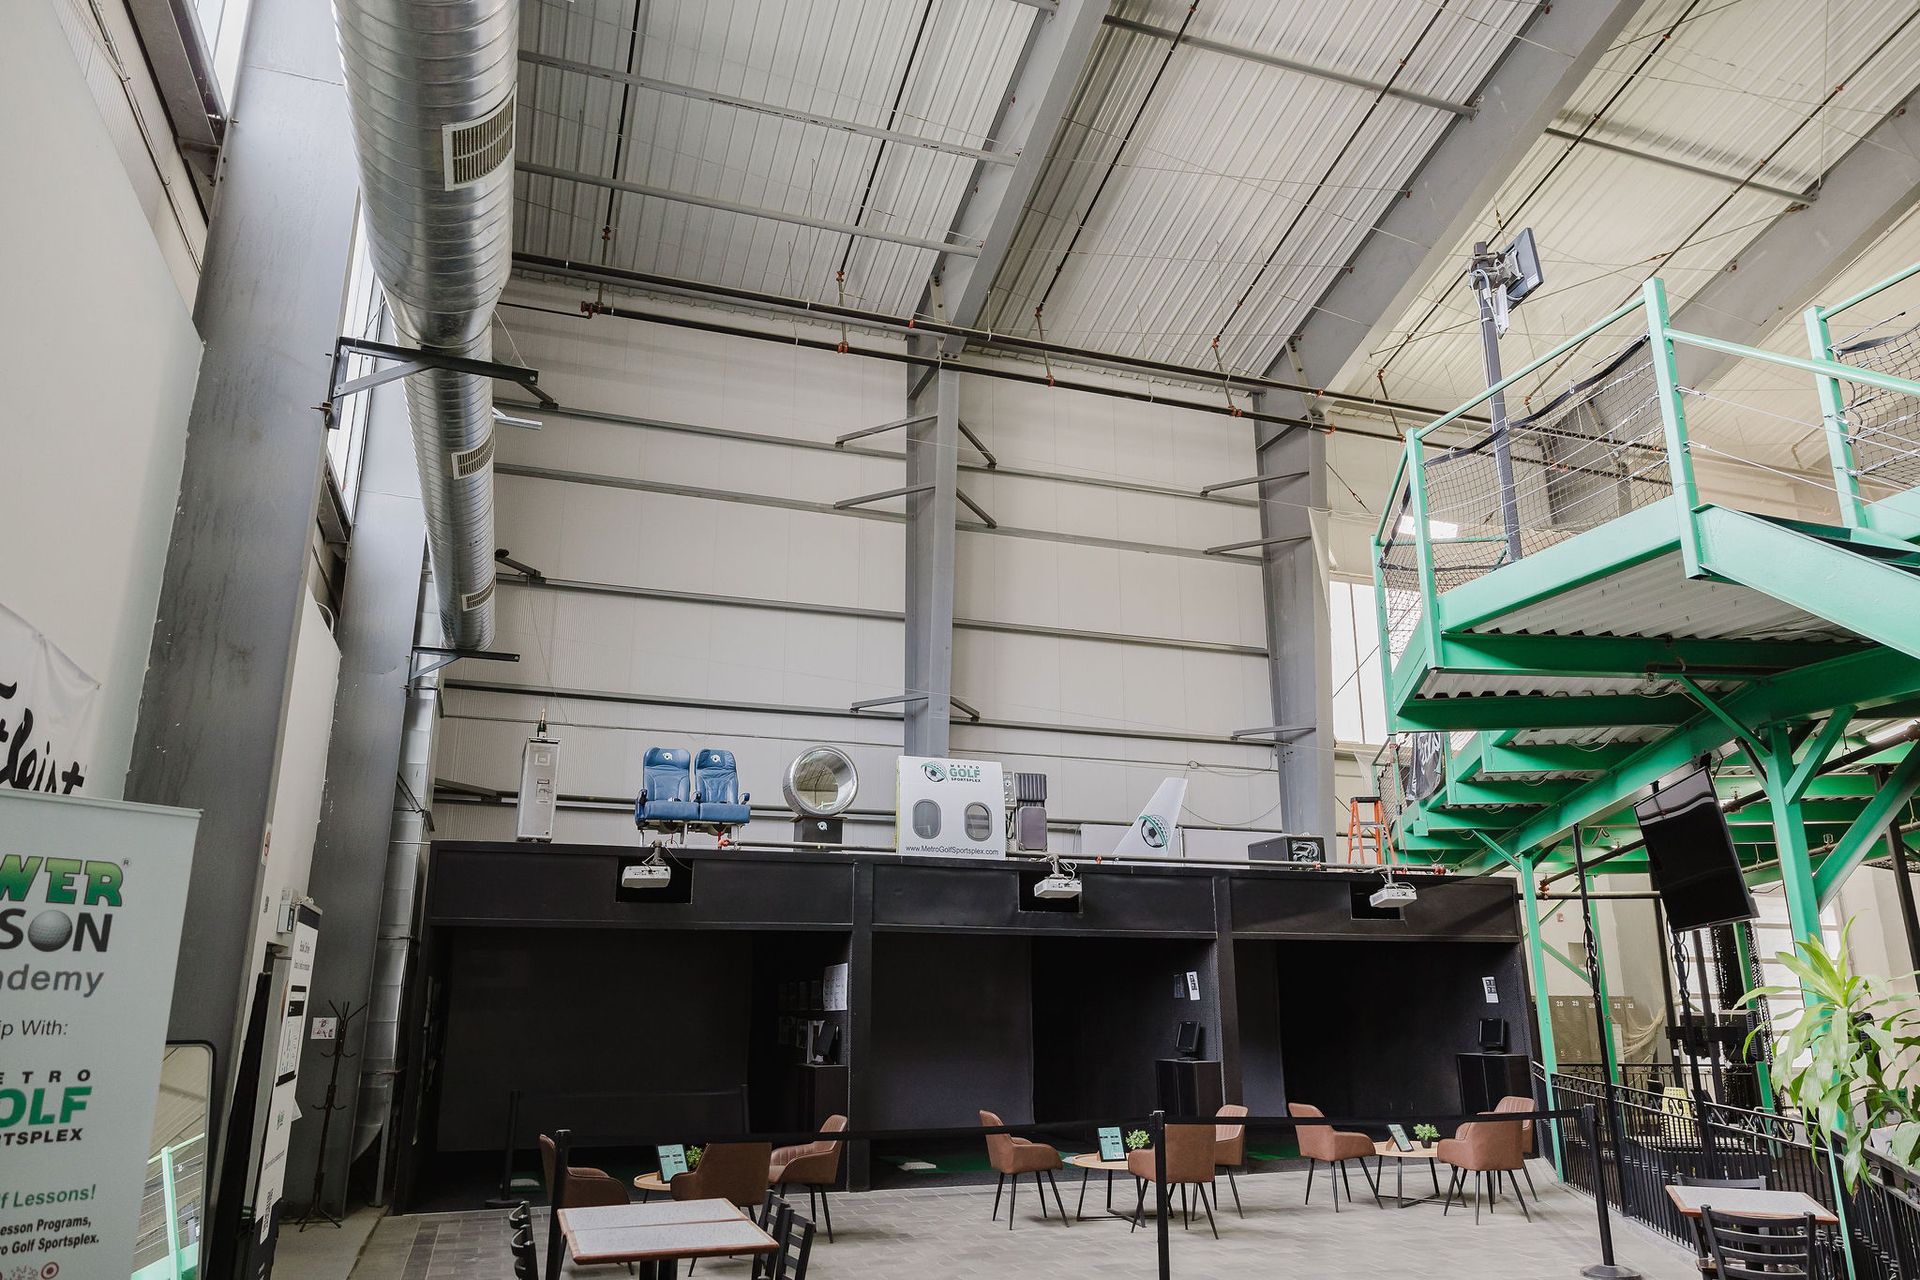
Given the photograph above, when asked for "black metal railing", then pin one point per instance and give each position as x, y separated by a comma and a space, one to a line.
1647, 1141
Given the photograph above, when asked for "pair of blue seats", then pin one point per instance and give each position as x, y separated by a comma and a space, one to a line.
680, 791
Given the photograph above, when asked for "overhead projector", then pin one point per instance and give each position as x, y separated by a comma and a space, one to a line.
646, 875
1058, 885
1392, 895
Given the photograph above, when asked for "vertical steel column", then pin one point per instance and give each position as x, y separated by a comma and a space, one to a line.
1743, 957
1833, 413
1903, 889
380, 608
1596, 973
1790, 835
1497, 403
1542, 1005
214, 701
932, 459
1293, 582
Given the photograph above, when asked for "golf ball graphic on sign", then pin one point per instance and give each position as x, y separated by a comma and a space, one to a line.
50, 930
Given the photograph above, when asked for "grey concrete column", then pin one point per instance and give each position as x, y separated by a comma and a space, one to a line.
386, 560
230, 598
1293, 576
932, 459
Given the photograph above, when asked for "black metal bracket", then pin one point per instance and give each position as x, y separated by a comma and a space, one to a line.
437, 656
412, 360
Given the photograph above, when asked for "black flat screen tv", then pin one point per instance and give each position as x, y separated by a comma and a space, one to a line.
1690, 855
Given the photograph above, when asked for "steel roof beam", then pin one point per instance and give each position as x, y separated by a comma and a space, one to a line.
1780, 271
746, 210
1059, 47
1682, 166
532, 58
1265, 59
1459, 178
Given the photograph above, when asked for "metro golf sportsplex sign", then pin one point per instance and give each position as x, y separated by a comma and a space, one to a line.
91, 899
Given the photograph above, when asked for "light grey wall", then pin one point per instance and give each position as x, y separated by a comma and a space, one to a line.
614, 504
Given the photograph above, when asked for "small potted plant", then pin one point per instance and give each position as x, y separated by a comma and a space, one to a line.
1137, 1139
1426, 1134
693, 1158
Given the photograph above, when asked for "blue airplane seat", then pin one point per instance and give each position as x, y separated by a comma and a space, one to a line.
666, 788
716, 787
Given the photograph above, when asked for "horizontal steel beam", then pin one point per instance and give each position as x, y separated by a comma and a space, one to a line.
879, 615
1244, 481
863, 499
895, 425
1668, 162
745, 210
764, 108
1318, 72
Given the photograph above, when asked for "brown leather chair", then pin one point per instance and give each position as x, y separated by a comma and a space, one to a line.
1486, 1149
1011, 1157
1513, 1102
1324, 1144
582, 1186
1230, 1151
814, 1165
733, 1171
1190, 1163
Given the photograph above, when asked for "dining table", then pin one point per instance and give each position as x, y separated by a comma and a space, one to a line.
654, 1237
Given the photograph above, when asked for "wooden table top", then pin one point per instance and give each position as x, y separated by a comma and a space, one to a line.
1751, 1202
652, 1182
651, 1232
1092, 1160
1392, 1152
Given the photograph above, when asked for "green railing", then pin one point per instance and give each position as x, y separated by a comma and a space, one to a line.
1599, 450
168, 1244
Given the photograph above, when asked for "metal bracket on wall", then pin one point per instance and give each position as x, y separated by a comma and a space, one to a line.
1244, 481
429, 658
899, 699
840, 442
1278, 732
413, 360
1255, 542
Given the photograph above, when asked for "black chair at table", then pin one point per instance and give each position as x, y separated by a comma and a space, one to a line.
1703, 1253
795, 1236
1749, 1248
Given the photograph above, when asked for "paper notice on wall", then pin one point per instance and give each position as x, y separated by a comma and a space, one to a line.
91, 899
833, 994
47, 706
1492, 992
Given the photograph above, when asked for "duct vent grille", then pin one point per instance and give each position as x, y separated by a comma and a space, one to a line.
475, 148
471, 462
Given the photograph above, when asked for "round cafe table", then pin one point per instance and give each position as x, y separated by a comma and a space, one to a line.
1385, 1151
649, 1183
1087, 1163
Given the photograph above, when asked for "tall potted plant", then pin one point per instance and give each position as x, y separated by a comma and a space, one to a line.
1848, 1062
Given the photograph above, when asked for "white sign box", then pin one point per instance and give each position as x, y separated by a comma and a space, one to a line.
91, 899
950, 808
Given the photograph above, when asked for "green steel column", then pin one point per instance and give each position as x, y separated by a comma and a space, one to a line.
1790, 836
1833, 411
1542, 1006
173, 1209
1674, 418
1608, 1052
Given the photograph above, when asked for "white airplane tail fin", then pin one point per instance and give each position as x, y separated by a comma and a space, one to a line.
1157, 830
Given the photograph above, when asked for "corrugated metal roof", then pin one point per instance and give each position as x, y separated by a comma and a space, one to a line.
1221, 194
1453, 684
1733, 86
842, 58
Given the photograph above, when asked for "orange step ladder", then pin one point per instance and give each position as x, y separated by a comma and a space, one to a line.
1366, 830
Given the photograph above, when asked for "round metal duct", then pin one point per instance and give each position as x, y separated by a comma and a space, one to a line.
820, 782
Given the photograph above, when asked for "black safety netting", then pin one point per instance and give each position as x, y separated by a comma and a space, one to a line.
1884, 426
1592, 454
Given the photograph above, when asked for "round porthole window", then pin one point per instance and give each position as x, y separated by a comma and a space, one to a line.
820, 782
979, 821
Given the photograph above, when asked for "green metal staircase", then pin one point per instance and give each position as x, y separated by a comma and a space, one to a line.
1568, 618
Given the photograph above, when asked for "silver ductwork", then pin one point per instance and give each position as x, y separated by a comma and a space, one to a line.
430, 88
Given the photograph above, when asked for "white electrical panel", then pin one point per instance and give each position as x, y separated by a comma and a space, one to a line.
539, 788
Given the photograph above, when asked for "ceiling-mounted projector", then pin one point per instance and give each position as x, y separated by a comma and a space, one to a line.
1392, 895
646, 875
1058, 885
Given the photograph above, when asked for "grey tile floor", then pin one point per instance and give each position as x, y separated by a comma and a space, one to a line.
945, 1232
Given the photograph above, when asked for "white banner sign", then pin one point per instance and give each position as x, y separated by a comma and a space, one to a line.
46, 713
91, 899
